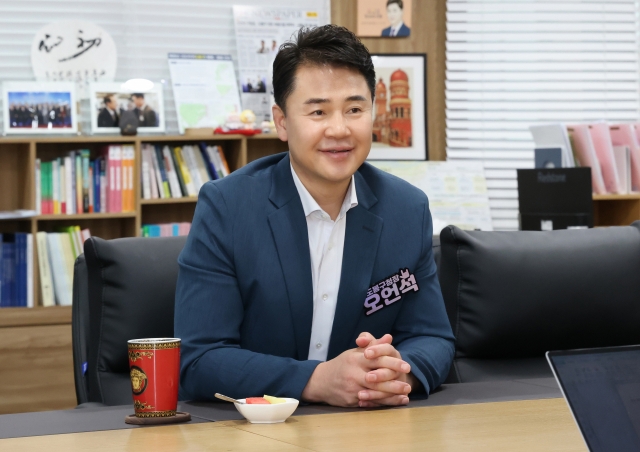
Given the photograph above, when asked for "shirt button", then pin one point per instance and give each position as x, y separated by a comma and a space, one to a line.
324, 297
318, 345
330, 246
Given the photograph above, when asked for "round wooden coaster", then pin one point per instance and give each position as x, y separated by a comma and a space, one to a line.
179, 417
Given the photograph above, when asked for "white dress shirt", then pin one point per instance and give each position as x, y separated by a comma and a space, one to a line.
326, 244
394, 30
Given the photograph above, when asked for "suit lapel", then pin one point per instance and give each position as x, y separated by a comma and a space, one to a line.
360, 248
289, 228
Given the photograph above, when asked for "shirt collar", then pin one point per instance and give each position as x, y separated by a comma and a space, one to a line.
396, 29
310, 205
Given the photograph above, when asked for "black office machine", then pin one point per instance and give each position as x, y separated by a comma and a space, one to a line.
558, 198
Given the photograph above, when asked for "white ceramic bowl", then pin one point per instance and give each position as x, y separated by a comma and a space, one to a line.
267, 414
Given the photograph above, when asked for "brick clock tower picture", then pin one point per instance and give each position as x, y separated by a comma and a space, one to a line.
399, 118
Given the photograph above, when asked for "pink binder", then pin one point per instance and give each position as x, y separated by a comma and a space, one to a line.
625, 135
604, 150
584, 150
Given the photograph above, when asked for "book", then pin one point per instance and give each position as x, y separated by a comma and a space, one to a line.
213, 173
30, 297
145, 176
166, 189
78, 182
128, 155
583, 148
601, 137
8, 263
20, 288
624, 135
622, 157
548, 157
86, 180
213, 155
183, 187
190, 161
201, 165
46, 281
552, 136
223, 160
103, 184
55, 193
38, 181
61, 281
69, 183
186, 176
172, 175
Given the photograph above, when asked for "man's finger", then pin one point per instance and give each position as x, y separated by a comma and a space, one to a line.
394, 400
377, 350
379, 375
387, 362
367, 339
392, 387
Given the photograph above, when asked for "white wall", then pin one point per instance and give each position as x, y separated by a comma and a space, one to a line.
144, 31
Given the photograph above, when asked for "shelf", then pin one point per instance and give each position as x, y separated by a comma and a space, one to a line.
183, 200
87, 216
54, 315
627, 197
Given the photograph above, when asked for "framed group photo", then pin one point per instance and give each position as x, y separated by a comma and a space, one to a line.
39, 107
400, 107
109, 100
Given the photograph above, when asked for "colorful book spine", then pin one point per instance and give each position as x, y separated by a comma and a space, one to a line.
38, 176
166, 190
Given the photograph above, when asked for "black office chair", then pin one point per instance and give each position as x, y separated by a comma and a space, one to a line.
512, 296
123, 289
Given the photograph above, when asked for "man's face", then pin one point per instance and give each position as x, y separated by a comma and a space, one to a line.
394, 14
111, 104
138, 101
328, 124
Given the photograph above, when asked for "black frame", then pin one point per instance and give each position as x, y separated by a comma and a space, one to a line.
426, 117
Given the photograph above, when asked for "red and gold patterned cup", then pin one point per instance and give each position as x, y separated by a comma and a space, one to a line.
155, 375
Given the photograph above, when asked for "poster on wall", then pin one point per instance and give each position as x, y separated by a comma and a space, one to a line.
259, 33
457, 191
39, 107
400, 110
74, 51
109, 100
384, 18
205, 89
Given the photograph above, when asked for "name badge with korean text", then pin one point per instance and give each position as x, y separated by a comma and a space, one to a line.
389, 290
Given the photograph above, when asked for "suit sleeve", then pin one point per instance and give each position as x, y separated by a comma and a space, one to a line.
422, 332
209, 312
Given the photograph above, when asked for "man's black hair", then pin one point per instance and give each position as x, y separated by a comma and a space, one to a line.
138, 95
108, 98
397, 2
328, 45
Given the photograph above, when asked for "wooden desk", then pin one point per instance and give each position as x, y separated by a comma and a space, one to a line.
532, 425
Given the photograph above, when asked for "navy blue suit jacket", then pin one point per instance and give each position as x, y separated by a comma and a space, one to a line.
244, 297
403, 32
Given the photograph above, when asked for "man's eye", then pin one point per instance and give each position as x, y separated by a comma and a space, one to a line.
318, 113
355, 110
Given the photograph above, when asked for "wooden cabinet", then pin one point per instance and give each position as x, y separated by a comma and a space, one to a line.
36, 373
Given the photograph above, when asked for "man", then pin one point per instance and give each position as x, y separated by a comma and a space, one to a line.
289, 282
394, 14
108, 116
146, 115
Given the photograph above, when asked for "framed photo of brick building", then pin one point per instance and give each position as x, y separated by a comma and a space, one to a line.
400, 107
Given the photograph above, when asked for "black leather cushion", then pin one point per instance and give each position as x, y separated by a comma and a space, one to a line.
80, 327
132, 284
520, 294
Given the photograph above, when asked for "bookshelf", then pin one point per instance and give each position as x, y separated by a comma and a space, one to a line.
40, 338
616, 210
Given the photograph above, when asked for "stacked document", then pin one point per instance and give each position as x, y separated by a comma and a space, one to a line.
611, 151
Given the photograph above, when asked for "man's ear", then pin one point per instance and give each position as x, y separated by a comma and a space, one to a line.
280, 121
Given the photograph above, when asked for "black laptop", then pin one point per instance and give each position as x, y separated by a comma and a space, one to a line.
602, 388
